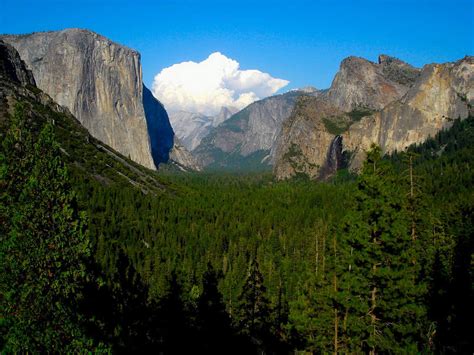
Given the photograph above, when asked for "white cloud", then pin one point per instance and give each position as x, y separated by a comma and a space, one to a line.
206, 86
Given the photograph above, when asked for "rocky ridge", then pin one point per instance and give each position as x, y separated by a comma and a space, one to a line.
442, 93
389, 103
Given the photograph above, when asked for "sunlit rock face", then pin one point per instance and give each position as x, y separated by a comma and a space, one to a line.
362, 83
100, 82
443, 92
389, 103
304, 142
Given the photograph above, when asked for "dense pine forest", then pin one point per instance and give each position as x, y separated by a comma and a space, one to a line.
376, 262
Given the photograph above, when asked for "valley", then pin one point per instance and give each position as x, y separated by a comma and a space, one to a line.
316, 221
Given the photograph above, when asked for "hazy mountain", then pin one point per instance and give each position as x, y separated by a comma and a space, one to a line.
246, 139
192, 127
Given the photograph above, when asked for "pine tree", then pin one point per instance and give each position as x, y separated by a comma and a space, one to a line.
215, 331
385, 301
254, 310
43, 245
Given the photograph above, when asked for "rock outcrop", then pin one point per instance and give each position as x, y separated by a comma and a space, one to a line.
363, 84
12, 67
182, 158
443, 92
390, 103
304, 142
100, 82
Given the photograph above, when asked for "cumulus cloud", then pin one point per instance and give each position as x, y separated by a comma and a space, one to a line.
206, 86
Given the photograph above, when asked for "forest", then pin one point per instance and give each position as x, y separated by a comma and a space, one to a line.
376, 262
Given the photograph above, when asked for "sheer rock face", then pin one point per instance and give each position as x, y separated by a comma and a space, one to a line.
251, 131
442, 93
304, 142
159, 128
100, 82
361, 83
410, 105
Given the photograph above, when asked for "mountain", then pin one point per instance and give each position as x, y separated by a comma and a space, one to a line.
100, 82
84, 155
192, 127
246, 139
389, 103
442, 93
362, 83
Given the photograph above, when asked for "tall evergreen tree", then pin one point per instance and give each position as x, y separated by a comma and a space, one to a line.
254, 308
385, 300
43, 244
215, 331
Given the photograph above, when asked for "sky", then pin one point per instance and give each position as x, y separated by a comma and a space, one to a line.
296, 41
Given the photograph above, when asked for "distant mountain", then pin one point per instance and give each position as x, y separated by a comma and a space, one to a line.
245, 141
192, 127
100, 82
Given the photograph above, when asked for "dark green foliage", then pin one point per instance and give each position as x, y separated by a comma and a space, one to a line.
336, 125
339, 124
176, 268
253, 307
214, 323
43, 245
385, 298
358, 113
235, 162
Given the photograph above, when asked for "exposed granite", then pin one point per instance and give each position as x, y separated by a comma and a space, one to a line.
12, 67
181, 157
362, 83
100, 82
410, 105
442, 93
304, 142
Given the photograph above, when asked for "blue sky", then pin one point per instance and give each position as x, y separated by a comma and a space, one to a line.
300, 41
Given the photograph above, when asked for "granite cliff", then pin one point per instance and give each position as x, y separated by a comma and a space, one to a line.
362, 83
100, 82
389, 103
85, 156
443, 92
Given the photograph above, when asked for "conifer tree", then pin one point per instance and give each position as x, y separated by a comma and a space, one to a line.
385, 301
43, 244
254, 309
215, 331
